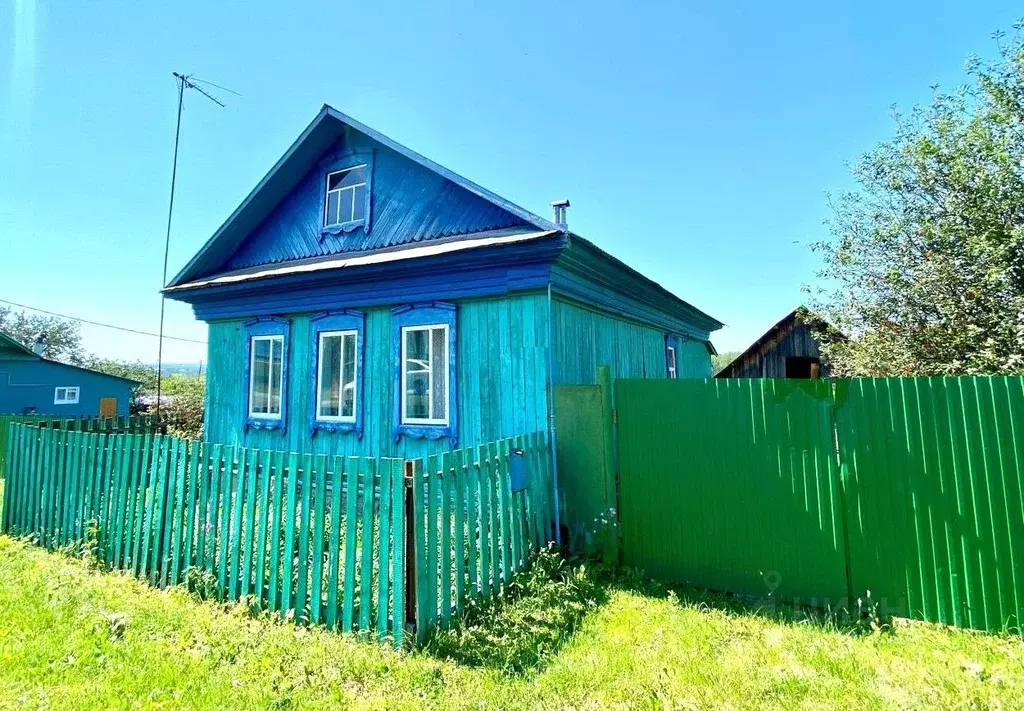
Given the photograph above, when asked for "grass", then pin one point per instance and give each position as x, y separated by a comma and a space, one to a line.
570, 636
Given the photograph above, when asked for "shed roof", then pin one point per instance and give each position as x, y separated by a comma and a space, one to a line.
783, 325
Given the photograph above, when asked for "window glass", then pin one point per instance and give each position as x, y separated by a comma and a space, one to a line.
359, 202
348, 372
65, 395
346, 196
425, 374
671, 355
260, 376
417, 374
266, 375
439, 368
337, 376
330, 375
333, 207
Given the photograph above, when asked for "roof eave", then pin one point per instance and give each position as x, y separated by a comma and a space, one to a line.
710, 322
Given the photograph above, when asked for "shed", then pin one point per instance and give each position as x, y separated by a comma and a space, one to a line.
789, 349
33, 385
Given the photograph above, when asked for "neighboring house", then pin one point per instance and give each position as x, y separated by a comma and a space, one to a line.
30, 384
789, 349
365, 300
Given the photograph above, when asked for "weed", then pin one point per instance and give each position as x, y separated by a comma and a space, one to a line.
542, 608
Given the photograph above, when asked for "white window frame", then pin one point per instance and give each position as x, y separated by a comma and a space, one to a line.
352, 202
430, 327
673, 362
69, 398
319, 373
279, 340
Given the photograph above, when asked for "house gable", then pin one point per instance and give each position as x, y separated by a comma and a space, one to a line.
412, 200
408, 204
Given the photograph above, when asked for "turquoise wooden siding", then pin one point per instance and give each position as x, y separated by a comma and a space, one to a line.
501, 374
585, 338
694, 360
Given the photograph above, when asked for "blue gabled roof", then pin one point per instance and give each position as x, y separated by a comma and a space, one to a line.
328, 126
272, 226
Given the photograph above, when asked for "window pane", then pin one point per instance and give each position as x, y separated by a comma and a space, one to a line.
275, 376
359, 202
259, 376
439, 368
333, 203
348, 178
417, 374
348, 369
330, 375
416, 398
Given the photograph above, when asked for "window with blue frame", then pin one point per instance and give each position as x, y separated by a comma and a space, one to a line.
425, 375
346, 197
338, 352
267, 367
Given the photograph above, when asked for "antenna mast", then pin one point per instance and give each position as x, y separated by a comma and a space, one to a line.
184, 82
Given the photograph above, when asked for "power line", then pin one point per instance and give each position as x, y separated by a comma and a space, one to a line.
97, 323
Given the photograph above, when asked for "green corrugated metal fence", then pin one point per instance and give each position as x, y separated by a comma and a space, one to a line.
812, 491
732, 485
319, 538
934, 486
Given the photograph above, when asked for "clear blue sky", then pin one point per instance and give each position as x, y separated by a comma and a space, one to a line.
697, 143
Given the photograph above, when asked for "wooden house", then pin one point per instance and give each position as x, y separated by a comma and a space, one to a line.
366, 300
789, 349
31, 384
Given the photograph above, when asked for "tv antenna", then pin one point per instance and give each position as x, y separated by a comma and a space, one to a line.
185, 81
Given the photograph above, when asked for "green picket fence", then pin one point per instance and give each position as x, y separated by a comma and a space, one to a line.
132, 423
473, 530
321, 539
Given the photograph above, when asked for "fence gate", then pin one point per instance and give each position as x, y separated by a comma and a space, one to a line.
732, 485
586, 464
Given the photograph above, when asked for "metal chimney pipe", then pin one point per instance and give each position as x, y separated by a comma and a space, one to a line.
560, 208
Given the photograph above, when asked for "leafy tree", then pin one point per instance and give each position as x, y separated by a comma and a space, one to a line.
63, 339
186, 405
926, 257
137, 370
723, 359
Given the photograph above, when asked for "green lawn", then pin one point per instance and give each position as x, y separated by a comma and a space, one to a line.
72, 637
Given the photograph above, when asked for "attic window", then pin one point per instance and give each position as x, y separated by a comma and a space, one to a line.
346, 198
